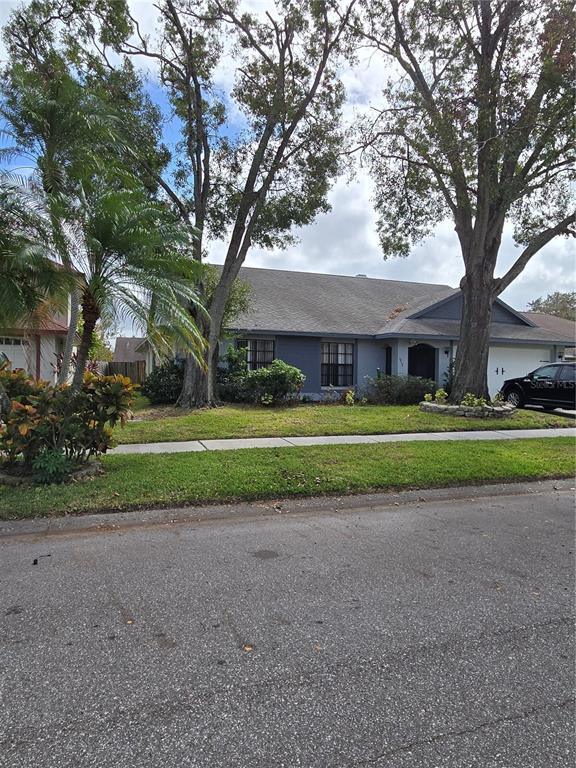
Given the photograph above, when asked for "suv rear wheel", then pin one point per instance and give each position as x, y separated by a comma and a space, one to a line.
515, 397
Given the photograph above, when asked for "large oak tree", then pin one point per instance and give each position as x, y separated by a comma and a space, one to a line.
477, 125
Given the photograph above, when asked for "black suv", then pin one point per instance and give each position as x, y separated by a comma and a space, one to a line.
552, 386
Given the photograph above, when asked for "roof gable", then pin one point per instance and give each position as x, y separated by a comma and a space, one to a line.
450, 308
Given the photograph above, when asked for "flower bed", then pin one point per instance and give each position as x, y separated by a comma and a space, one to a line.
469, 411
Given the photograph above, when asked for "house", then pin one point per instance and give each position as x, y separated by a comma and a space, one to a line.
128, 349
132, 357
339, 330
36, 348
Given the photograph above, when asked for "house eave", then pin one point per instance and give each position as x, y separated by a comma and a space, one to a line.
308, 334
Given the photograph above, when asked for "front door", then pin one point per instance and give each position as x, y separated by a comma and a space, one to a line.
422, 361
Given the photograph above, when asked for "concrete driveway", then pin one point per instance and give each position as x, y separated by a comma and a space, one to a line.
372, 631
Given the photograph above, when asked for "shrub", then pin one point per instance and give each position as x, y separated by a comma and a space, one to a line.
471, 401
231, 379
52, 428
441, 396
348, 397
51, 466
449, 376
164, 383
398, 390
277, 383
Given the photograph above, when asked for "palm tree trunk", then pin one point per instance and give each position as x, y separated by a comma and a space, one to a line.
90, 316
70, 336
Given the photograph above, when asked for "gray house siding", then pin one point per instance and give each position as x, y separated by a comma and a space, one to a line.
370, 356
304, 353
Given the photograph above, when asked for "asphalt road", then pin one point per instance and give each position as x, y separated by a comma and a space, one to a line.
433, 633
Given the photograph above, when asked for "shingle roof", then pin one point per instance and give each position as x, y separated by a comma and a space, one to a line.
311, 303
307, 302
125, 349
451, 329
566, 328
45, 325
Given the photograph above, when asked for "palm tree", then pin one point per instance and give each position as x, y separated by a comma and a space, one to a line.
137, 264
59, 127
32, 284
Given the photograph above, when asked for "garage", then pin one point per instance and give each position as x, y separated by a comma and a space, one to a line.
16, 350
510, 362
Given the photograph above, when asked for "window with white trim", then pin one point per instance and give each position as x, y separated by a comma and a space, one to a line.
337, 364
14, 341
259, 352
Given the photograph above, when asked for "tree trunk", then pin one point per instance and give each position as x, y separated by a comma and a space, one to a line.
70, 337
470, 372
217, 310
90, 315
194, 392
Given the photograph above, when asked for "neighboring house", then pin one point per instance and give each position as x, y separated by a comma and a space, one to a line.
35, 349
340, 330
132, 357
128, 349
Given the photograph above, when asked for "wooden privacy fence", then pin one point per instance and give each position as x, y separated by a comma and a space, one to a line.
135, 371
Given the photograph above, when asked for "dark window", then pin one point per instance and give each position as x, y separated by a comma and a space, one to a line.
547, 372
568, 373
260, 352
337, 368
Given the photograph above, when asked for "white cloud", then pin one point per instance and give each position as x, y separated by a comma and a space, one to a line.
345, 241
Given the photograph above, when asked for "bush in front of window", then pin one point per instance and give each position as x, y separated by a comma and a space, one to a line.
231, 378
164, 383
398, 390
278, 383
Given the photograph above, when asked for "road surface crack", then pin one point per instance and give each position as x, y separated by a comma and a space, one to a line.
465, 731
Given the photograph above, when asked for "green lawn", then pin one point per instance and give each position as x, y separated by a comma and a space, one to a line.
155, 480
156, 425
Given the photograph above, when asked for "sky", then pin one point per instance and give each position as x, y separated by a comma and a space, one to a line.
345, 242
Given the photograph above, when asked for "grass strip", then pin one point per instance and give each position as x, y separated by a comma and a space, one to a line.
312, 420
156, 480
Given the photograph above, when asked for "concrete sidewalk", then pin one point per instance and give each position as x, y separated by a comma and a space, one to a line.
291, 442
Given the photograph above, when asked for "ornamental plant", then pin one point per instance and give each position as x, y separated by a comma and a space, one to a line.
398, 390
471, 401
41, 422
277, 383
441, 396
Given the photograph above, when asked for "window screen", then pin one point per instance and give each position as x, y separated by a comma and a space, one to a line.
260, 352
337, 364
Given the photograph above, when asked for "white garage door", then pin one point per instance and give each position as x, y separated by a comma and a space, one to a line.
15, 350
511, 362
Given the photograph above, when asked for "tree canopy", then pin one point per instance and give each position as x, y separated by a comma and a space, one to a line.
477, 126
557, 303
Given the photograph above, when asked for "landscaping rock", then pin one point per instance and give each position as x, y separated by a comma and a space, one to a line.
469, 412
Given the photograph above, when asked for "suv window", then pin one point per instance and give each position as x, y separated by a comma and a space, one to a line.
568, 373
547, 372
